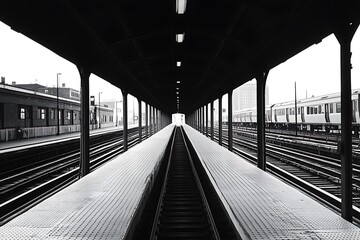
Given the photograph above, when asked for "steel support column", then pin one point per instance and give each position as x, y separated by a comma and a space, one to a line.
125, 121
260, 94
344, 37
140, 118
230, 123
84, 122
207, 119
203, 119
220, 121
146, 120
212, 120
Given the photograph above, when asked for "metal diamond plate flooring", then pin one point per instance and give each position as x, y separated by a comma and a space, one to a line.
262, 206
100, 205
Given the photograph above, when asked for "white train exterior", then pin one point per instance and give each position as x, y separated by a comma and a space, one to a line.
316, 113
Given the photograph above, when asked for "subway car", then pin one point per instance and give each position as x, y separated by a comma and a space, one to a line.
321, 113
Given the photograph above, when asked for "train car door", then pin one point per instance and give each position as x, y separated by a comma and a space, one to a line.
302, 114
287, 114
327, 117
354, 109
1, 115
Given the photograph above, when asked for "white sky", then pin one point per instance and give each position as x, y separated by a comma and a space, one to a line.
317, 69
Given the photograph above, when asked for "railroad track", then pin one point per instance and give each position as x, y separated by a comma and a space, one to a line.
318, 175
185, 201
27, 183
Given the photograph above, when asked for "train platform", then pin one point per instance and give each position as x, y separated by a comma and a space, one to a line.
262, 206
101, 205
25, 143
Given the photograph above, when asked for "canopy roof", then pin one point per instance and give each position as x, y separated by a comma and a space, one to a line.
132, 44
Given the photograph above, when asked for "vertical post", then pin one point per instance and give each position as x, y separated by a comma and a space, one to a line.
146, 120
57, 102
99, 112
203, 119
260, 93
140, 121
207, 120
230, 123
220, 121
296, 125
84, 123
212, 120
125, 120
344, 37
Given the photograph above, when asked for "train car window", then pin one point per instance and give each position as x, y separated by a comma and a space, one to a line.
320, 110
59, 114
307, 110
311, 110
68, 115
75, 116
315, 110
338, 107
355, 105
331, 107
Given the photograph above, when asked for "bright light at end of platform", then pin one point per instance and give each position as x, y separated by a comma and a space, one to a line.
180, 6
178, 118
178, 64
180, 37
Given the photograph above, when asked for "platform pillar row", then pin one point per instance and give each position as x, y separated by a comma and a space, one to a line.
230, 123
146, 120
212, 120
260, 94
125, 120
84, 122
344, 36
220, 121
140, 122
207, 119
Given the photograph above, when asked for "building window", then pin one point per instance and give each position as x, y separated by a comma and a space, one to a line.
22, 113
41, 114
52, 114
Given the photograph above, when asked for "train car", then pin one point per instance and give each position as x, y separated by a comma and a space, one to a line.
321, 113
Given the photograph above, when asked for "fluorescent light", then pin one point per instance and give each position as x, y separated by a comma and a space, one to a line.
180, 6
178, 64
177, 92
180, 37
177, 88
177, 81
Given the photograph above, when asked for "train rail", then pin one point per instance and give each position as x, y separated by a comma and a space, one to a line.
185, 201
318, 175
32, 175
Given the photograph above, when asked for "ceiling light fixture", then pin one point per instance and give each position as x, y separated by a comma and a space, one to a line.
177, 81
180, 6
180, 37
178, 64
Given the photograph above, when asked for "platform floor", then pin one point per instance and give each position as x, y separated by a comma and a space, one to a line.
98, 206
262, 206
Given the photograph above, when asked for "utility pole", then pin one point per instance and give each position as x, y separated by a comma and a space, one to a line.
295, 112
57, 103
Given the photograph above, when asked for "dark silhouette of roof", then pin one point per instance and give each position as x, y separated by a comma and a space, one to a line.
132, 43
